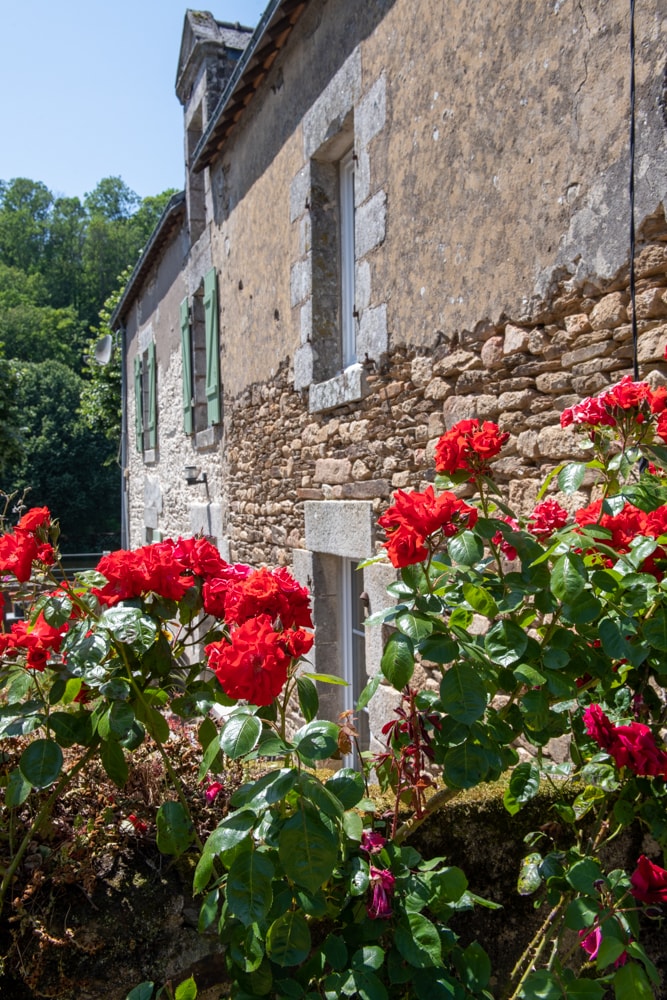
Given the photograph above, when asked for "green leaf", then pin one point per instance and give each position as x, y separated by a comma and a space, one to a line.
70, 728
465, 549
370, 957
187, 990
613, 640
316, 740
175, 831
144, 991
581, 913
18, 790
367, 986
466, 765
530, 878
568, 577
416, 626
463, 694
113, 762
240, 735
335, 951
41, 763
368, 692
309, 701
324, 801
439, 649
418, 941
541, 985
505, 643
398, 660
524, 785
529, 675
270, 788
308, 851
655, 630
474, 967
130, 626
583, 875
348, 786
571, 477
249, 887
326, 678
480, 600
630, 983
288, 939
57, 610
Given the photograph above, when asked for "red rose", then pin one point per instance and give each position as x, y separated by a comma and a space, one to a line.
264, 592
546, 518
199, 556
254, 664
649, 882
37, 517
469, 446
631, 746
416, 517
590, 411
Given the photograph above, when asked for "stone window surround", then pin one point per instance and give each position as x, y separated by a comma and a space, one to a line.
341, 100
336, 530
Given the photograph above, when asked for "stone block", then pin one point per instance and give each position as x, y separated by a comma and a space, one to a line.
651, 304
652, 344
557, 443
487, 406
578, 323
515, 400
554, 382
300, 280
492, 352
609, 312
457, 408
437, 388
516, 339
299, 193
372, 335
370, 224
340, 527
421, 370
368, 489
332, 470
455, 363
527, 444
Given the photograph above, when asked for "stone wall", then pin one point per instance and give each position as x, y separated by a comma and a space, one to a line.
521, 375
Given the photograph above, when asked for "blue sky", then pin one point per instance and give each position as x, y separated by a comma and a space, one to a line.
88, 90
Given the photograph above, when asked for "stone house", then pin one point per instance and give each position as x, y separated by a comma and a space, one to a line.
397, 213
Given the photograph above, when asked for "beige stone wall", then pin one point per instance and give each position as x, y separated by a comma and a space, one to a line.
519, 374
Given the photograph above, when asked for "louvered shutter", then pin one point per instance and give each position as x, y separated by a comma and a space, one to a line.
186, 354
152, 397
138, 405
212, 348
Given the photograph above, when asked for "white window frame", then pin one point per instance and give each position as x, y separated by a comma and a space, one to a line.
346, 170
353, 671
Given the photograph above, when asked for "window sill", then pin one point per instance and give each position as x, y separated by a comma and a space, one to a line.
206, 438
348, 387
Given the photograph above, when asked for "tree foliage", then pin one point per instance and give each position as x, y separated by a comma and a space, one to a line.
63, 265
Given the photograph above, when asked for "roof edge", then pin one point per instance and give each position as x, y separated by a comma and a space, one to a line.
206, 147
172, 210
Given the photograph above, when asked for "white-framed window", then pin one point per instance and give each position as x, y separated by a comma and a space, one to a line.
348, 332
353, 648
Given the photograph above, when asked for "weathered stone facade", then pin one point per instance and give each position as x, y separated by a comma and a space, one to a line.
490, 262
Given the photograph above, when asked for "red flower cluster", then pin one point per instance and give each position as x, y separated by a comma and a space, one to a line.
417, 517
631, 746
649, 882
38, 641
150, 569
268, 592
469, 447
626, 398
254, 665
547, 517
628, 524
28, 543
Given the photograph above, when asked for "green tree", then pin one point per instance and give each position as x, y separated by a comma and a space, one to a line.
24, 217
61, 460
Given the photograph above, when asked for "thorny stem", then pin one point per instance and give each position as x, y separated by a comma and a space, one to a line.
546, 931
46, 808
173, 777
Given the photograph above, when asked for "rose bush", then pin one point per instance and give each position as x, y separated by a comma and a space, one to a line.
540, 627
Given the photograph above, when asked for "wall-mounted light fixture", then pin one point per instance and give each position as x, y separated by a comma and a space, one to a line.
193, 476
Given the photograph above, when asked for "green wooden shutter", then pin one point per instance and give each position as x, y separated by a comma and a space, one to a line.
138, 405
186, 354
152, 397
212, 348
